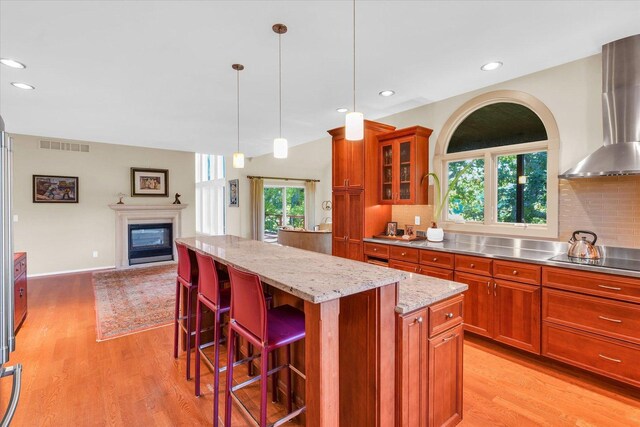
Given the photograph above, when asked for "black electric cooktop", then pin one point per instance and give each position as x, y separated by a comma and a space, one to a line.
621, 264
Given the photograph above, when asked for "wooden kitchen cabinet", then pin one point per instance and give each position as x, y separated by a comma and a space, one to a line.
517, 314
347, 233
348, 164
403, 160
429, 365
478, 316
20, 289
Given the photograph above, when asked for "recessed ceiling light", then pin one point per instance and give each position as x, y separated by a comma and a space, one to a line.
23, 86
490, 66
387, 93
342, 110
12, 63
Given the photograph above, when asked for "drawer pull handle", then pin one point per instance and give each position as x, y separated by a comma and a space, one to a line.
449, 338
419, 319
375, 249
472, 265
488, 288
21, 292
416, 269
403, 253
515, 272
609, 319
494, 289
613, 288
435, 259
610, 358
449, 315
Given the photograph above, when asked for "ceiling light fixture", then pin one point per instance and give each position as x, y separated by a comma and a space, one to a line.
490, 66
342, 110
22, 86
238, 157
354, 121
387, 93
12, 63
280, 144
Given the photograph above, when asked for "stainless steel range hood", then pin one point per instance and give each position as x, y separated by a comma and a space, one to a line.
620, 154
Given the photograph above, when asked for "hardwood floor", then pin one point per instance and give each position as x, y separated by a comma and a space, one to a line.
70, 379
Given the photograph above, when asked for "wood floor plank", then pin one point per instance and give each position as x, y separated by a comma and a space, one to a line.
70, 379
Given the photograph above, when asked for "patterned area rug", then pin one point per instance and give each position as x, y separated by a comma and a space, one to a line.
133, 300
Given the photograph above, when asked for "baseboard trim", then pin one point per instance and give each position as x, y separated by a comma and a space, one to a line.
81, 270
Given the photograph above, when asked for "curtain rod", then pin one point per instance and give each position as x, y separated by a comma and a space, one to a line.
283, 179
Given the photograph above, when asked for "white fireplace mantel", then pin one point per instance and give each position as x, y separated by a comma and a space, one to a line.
143, 214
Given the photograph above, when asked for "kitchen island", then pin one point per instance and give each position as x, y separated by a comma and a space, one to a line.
350, 319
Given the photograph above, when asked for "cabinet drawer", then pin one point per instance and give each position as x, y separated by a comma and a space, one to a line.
473, 264
439, 273
437, 259
376, 249
614, 319
445, 315
404, 266
611, 358
605, 285
404, 254
517, 272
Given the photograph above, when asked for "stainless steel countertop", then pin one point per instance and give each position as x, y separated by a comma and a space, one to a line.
531, 251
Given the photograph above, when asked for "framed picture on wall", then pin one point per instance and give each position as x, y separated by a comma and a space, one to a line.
149, 182
234, 189
55, 189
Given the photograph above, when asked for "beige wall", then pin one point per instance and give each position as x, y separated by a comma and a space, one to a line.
62, 237
305, 161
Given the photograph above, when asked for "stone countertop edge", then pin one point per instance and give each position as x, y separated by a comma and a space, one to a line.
392, 276
420, 291
542, 259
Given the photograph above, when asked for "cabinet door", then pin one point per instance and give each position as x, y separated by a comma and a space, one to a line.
20, 299
445, 378
387, 189
355, 166
412, 382
405, 192
478, 307
340, 163
340, 223
355, 213
517, 314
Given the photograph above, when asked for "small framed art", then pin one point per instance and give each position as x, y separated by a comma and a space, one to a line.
149, 182
392, 228
55, 189
234, 190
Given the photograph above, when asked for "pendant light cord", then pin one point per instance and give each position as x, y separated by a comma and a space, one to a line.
238, 104
280, 77
354, 55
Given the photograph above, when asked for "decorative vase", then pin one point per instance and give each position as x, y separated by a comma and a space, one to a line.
435, 234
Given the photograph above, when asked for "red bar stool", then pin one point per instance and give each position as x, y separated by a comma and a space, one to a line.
267, 330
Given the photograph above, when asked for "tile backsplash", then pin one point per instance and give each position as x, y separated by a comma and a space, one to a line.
608, 206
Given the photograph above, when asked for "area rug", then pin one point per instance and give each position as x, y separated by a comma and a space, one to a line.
133, 300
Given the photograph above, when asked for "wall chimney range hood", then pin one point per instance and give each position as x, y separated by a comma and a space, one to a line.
620, 154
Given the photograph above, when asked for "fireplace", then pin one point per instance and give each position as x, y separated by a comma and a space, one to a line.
150, 243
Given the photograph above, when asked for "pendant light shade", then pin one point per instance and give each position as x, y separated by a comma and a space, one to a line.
238, 157
354, 124
238, 160
354, 121
280, 148
280, 144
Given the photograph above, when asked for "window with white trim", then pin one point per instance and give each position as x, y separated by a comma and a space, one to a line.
501, 162
210, 194
284, 205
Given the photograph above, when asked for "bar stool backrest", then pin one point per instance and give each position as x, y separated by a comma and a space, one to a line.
208, 284
186, 263
248, 306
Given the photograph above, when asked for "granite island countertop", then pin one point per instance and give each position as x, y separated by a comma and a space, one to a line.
420, 291
311, 276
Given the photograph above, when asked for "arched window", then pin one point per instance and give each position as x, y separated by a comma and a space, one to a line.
499, 153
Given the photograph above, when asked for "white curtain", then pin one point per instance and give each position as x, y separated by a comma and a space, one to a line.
310, 205
257, 208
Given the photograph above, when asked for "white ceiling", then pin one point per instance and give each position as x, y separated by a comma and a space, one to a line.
158, 73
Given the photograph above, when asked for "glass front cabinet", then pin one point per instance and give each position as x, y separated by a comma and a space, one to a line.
404, 159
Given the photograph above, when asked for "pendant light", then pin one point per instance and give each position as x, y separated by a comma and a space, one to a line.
280, 144
238, 157
354, 121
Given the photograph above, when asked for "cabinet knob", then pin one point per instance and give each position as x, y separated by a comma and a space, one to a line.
375, 249
515, 272
449, 315
472, 265
21, 292
403, 253
419, 319
435, 259
416, 269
